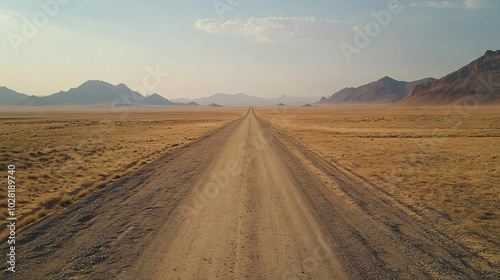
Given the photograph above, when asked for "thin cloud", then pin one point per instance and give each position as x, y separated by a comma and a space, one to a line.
467, 4
443, 4
277, 29
476, 4
7, 15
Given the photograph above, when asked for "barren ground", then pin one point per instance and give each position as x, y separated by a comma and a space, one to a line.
64, 153
247, 202
443, 161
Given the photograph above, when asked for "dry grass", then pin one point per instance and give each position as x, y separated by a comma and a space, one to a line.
441, 158
32, 218
62, 154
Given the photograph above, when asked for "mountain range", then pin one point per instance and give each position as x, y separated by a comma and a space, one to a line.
384, 91
479, 80
10, 97
98, 92
89, 93
241, 99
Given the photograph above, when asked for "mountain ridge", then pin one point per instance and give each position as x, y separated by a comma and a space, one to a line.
383, 91
95, 92
11, 97
475, 80
91, 92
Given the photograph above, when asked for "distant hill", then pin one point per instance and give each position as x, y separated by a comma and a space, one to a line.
156, 99
383, 91
181, 100
99, 93
294, 101
480, 79
214, 105
96, 92
89, 93
244, 100
10, 97
229, 100
36, 101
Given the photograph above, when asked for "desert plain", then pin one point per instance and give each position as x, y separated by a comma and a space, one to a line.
63, 153
357, 192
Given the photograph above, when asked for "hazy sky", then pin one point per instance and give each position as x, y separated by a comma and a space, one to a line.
260, 47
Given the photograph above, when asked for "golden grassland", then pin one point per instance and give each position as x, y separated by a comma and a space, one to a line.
446, 159
62, 154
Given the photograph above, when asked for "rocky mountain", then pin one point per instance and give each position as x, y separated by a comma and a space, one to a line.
383, 91
479, 80
10, 97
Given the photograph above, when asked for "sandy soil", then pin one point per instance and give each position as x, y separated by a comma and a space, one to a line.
63, 153
440, 161
246, 202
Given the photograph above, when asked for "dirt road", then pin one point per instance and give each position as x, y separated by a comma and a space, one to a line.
243, 203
